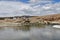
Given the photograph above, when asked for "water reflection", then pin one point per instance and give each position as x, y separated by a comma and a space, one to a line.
29, 32
42, 33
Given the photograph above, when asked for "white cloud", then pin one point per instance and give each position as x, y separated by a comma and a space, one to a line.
40, 1
48, 8
34, 1
51, 8
12, 8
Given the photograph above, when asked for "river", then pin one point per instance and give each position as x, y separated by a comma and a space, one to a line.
43, 32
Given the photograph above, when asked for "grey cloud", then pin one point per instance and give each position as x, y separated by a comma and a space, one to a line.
12, 8
17, 8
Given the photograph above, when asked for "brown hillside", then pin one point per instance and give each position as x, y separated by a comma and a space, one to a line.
53, 17
33, 19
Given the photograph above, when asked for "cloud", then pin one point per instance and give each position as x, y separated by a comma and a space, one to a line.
12, 8
40, 1
45, 7
34, 1
51, 8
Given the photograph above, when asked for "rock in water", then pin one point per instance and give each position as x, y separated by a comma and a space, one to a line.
56, 26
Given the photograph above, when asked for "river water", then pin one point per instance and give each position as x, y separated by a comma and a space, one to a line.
43, 32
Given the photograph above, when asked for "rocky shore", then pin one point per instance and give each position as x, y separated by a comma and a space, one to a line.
27, 20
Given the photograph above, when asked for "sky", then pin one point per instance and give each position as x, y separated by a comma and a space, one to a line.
29, 7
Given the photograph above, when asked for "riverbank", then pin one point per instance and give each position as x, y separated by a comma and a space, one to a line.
30, 20
16, 24
9, 24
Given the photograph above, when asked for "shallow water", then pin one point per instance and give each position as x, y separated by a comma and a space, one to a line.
42, 32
